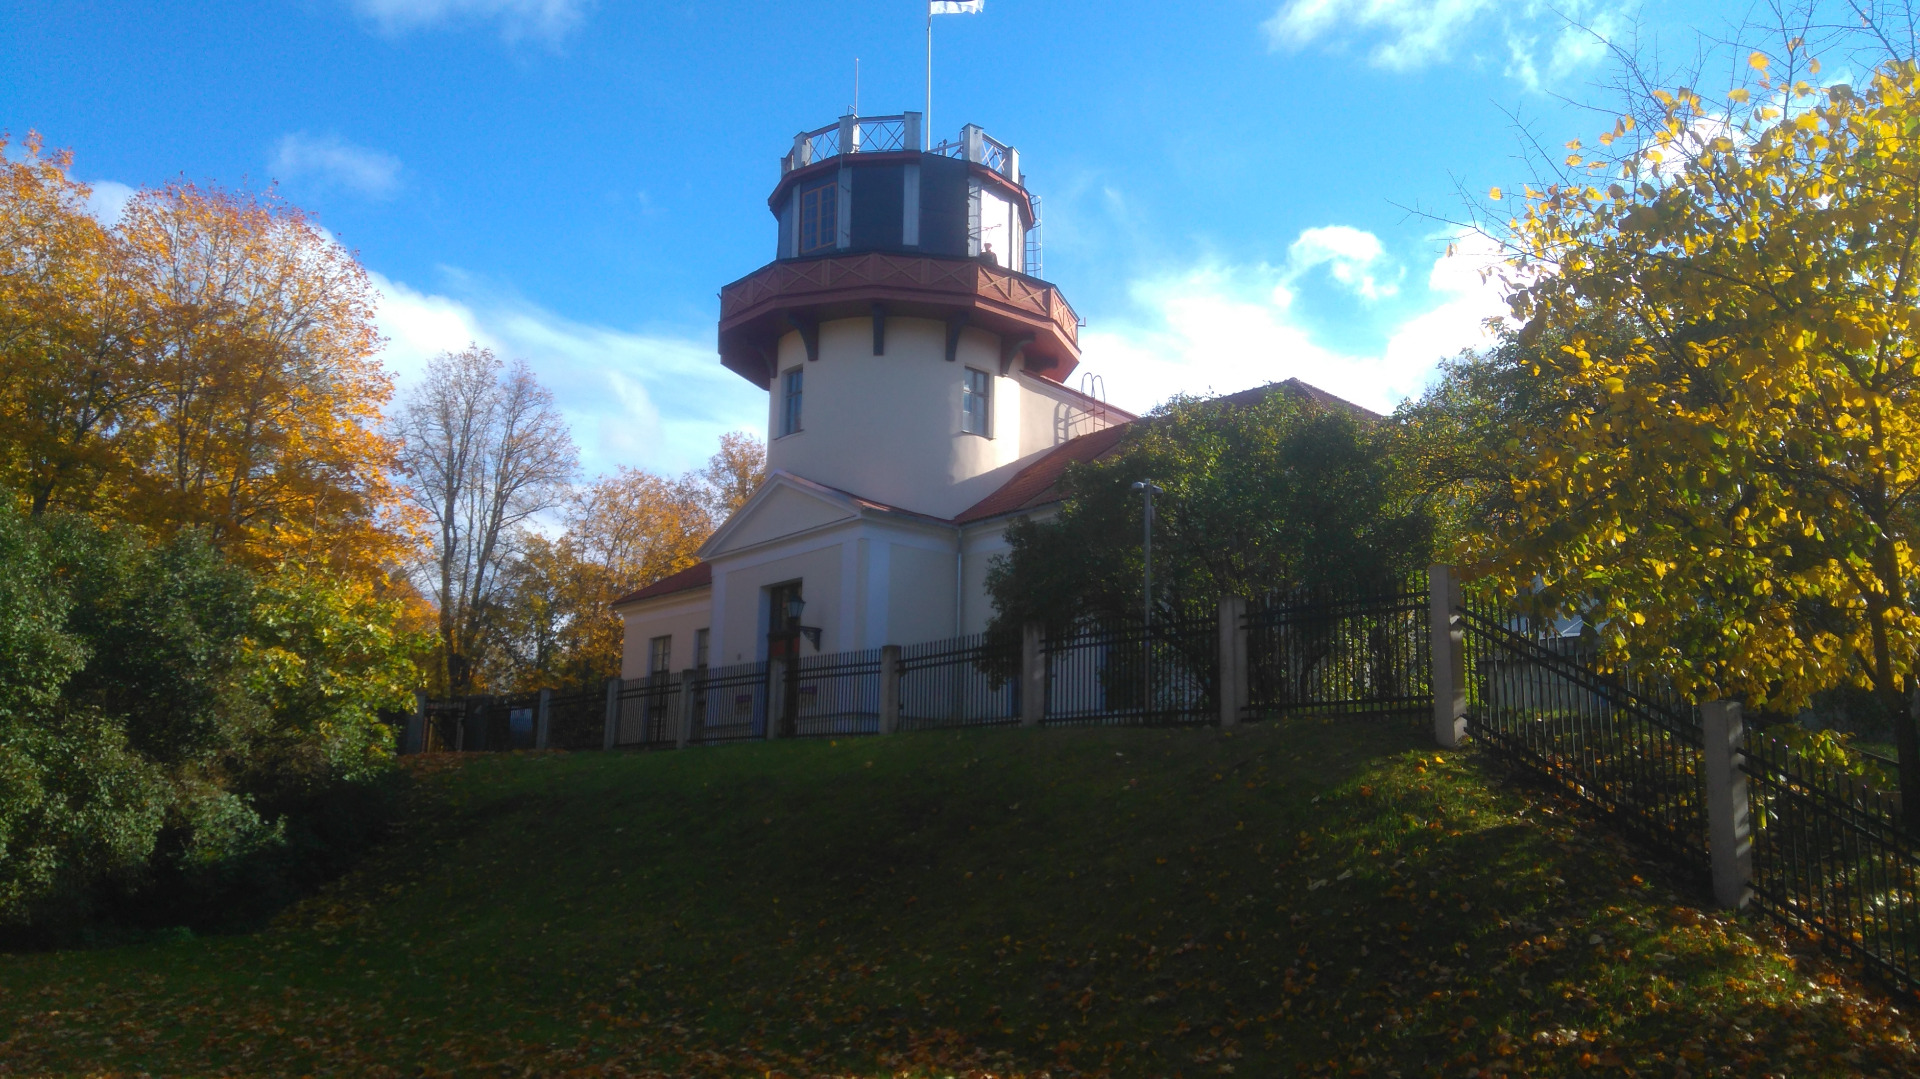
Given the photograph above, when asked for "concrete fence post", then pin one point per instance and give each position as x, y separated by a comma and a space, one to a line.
889, 688
689, 696
1033, 674
612, 731
1447, 637
413, 738
542, 718
776, 697
1729, 813
1233, 659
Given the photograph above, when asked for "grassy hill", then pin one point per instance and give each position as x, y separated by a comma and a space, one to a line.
1297, 897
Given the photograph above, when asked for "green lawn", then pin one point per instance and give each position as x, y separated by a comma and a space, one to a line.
1297, 897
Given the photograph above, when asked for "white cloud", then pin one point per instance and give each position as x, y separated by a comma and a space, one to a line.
654, 401
549, 20
1217, 329
1409, 34
1415, 32
1468, 294
331, 161
1352, 256
1573, 47
107, 200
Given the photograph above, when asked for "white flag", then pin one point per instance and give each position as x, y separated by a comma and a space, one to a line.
955, 7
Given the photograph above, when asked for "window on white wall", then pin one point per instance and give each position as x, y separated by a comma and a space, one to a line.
701, 638
660, 654
790, 402
976, 403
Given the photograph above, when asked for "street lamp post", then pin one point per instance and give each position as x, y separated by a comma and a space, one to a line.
1147, 488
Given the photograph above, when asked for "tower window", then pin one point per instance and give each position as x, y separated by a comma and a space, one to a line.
819, 218
976, 403
790, 401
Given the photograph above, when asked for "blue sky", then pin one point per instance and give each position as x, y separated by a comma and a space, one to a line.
1226, 188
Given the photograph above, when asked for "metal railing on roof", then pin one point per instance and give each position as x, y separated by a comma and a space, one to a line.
884, 134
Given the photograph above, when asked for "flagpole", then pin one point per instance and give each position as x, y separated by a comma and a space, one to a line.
927, 125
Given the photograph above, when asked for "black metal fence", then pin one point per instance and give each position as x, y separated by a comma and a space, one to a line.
837, 694
444, 731
730, 704
507, 722
1131, 674
577, 720
1830, 854
959, 682
480, 724
1630, 750
1830, 857
649, 711
1365, 655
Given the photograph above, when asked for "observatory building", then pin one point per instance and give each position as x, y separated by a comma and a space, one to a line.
916, 364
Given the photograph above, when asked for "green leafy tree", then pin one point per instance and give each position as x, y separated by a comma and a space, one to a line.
326, 656
1283, 493
166, 716
77, 804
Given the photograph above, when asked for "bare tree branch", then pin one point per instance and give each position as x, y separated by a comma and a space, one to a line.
484, 450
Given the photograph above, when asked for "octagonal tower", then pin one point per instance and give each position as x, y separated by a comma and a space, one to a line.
911, 352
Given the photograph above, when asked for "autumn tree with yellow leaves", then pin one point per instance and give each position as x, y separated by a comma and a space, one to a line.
200, 623
556, 626
209, 362
1704, 435
69, 331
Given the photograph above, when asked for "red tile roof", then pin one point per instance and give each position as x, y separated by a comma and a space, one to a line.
698, 575
1037, 484
1297, 388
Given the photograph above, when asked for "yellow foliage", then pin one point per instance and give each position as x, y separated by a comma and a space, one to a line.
624, 531
1725, 479
208, 361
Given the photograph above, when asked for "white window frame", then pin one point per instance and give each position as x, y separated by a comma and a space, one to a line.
792, 400
984, 394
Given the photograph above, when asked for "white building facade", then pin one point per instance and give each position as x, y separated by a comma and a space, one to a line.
916, 405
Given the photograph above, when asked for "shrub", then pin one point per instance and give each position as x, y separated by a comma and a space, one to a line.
171, 724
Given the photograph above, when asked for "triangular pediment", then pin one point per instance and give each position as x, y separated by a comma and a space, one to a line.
783, 506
